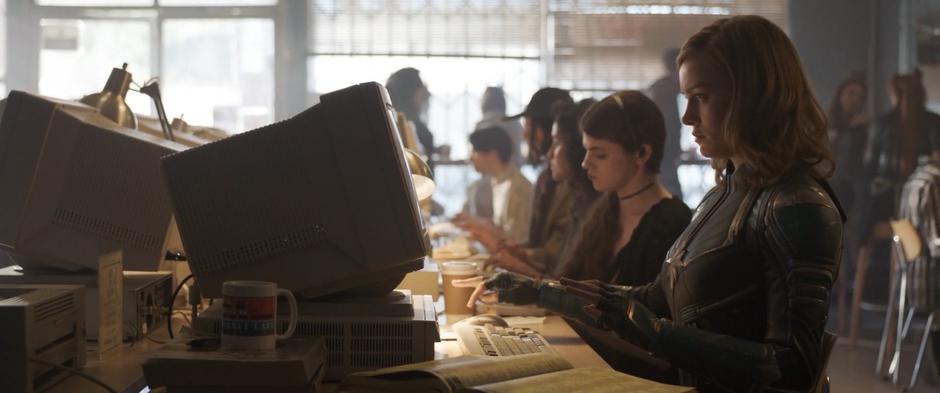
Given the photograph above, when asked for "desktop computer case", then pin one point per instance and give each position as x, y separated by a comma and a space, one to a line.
146, 297
359, 343
42, 321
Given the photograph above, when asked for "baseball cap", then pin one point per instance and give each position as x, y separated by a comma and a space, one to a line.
543, 101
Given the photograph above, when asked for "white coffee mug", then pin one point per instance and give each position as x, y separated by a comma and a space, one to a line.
249, 314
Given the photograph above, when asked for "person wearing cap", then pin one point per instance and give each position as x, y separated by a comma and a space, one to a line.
537, 120
509, 192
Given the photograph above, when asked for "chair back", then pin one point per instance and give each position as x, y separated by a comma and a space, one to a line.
907, 237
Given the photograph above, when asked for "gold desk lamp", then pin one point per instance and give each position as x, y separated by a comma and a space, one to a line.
421, 174
110, 101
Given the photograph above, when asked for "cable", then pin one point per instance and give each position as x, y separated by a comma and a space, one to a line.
74, 372
169, 312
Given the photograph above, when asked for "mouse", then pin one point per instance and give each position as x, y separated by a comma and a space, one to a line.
483, 319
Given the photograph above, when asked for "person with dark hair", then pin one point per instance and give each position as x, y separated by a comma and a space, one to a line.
493, 107
848, 124
511, 192
538, 117
664, 93
410, 96
572, 197
537, 120
631, 226
742, 299
848, 136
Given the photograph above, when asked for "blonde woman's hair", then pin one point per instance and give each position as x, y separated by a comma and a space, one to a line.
774, 122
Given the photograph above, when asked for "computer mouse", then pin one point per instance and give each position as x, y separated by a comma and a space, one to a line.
483, 319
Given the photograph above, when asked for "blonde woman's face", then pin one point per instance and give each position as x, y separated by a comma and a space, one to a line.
708, 90
608, 165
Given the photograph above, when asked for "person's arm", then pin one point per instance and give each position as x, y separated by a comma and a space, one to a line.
801, 242
518, 212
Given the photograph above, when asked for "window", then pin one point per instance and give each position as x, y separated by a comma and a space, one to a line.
3, 47
219, 72
460, 47
215, 64
76, 56
96, 3
600, 46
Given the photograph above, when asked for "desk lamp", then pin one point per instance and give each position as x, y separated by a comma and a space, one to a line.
420, 175
110, 101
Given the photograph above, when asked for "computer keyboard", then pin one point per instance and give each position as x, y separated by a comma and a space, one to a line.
491, 339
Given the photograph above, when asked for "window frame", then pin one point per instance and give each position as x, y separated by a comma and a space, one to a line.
288, 17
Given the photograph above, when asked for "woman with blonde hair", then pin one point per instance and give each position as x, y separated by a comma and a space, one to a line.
742, 299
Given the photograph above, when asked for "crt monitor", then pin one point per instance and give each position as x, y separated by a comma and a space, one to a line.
77, 186
320, 203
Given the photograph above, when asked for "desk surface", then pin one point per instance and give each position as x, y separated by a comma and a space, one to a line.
122, 371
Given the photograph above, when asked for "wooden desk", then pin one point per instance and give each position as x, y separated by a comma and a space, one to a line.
120, 369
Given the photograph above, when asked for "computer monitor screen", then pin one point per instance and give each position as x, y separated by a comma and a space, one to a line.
77, 186
319, 203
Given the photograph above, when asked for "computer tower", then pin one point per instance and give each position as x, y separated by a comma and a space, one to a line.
44, 322
144, 305
359, 342
146, 301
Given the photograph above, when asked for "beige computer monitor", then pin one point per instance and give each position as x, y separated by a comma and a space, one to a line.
77, 186
320, 203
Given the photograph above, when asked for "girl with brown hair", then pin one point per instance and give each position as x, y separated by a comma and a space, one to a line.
742, 299
633, 223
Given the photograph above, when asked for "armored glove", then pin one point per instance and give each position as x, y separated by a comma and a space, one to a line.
548, 294
612, 307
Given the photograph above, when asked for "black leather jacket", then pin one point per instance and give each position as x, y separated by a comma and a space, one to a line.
747, 287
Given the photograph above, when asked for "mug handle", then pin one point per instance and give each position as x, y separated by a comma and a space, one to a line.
293, 313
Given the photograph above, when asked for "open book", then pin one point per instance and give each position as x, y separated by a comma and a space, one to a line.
535, 373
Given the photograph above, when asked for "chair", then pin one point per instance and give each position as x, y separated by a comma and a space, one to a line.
908, 248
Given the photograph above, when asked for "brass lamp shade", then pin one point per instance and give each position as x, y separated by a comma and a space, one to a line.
420, 174
110, 101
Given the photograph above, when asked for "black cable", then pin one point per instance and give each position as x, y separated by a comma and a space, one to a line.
169, 311
74, 372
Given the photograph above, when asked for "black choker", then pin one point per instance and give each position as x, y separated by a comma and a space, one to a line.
623, 198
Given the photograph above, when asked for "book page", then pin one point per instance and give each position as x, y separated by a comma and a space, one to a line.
465, 371
587, 380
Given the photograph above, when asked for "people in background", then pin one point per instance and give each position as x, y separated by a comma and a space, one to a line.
848, 136
665, 93
899, 139
745, 289
537, 120
630, 227
410, 96
511, 193
848, 124
572, 197
493, 107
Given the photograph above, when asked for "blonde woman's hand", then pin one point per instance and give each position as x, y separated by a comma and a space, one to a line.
479, 291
